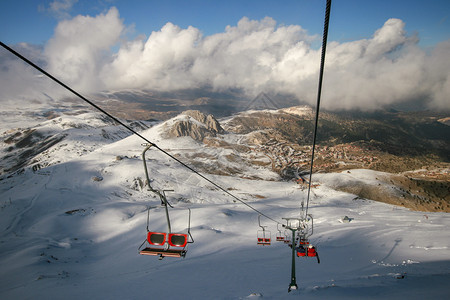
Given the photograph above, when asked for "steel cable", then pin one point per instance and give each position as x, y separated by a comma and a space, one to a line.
319, 92
131, 129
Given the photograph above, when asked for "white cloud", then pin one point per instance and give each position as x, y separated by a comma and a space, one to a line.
388, 68
245, 56
438, 76
81, 46
60, 9
161, 62
258, 56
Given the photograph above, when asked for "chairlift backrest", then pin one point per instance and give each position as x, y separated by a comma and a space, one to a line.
178, 239
156, 238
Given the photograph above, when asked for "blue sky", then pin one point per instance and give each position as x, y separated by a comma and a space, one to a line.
33, 21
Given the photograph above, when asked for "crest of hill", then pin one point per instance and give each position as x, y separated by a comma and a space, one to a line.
400, 133
193, 123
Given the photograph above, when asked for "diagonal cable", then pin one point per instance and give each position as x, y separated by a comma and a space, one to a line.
131, 129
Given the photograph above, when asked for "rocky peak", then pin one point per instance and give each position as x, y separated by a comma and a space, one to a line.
195, 124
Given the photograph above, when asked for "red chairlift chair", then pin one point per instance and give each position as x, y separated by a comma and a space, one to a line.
173, 247
167, 244
307, 251
162, 243
263, 236
280, 236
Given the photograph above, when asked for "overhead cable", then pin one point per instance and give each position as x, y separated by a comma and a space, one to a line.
131, 129
319, 92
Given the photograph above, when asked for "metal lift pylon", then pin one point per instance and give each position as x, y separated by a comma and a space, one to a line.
300, 226
293, 285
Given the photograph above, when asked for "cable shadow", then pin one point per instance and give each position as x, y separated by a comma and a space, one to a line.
397, 242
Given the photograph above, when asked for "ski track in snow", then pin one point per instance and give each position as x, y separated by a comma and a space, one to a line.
65, 234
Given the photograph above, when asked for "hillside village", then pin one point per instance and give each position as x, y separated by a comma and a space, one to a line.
424, 189
328, 158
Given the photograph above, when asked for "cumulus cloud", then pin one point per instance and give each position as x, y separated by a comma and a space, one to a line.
81, 46
253, 56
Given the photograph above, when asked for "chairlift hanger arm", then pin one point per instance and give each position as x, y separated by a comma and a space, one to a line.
148, 146
189, 227
161, 194
259, 223
312, 224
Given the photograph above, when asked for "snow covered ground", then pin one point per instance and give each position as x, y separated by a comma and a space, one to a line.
72, 230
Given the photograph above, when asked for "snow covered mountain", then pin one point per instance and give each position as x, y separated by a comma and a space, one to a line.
74, 203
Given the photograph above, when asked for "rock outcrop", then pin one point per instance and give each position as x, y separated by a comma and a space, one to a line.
195, 124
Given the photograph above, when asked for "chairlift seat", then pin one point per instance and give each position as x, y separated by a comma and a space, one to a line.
163, 248
163, 253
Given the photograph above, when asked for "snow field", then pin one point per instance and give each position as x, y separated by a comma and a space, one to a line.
73, 231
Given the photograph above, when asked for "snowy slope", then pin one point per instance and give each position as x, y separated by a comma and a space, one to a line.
72, 231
